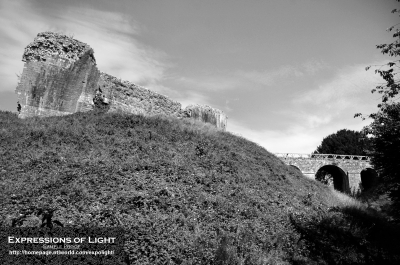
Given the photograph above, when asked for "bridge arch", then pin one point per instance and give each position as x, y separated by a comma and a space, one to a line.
335, 176
369, 178
295, 167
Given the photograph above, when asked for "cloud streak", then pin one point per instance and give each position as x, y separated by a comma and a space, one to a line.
349, 87
112, 36
251, 79
312, 115
278, 141
283, 73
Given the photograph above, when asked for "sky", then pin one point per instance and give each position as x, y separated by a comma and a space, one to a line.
287, 73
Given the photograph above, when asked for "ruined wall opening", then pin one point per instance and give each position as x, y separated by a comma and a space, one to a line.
369, 178
332, 175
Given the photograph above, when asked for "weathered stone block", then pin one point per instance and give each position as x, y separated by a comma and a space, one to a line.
57, 79
207, 114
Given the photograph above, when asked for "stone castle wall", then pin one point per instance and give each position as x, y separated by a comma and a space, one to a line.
130, 98
207, 114
60, 77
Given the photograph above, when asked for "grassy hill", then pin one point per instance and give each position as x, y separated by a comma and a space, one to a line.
184, 192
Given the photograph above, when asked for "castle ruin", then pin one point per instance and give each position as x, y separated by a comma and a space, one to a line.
60, 77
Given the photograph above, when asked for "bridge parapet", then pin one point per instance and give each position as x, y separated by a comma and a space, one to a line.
322, 156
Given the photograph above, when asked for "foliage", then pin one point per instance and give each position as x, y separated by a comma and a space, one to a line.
384, 129
390, 71
349, 235
344, 142
325, 177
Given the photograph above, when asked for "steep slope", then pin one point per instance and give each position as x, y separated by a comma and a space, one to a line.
185, 192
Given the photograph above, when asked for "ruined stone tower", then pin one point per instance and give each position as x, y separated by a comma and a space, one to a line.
59, 76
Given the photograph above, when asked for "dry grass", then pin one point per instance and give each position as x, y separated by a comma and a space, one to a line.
338, 199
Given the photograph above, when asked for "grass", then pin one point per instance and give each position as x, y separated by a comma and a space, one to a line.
338, 199
210, 197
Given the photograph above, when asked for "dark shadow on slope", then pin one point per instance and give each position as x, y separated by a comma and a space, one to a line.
348, 236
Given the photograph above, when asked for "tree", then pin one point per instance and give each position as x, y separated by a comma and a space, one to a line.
344, 142
384, 130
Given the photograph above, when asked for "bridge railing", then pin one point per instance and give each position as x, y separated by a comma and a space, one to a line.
322, 156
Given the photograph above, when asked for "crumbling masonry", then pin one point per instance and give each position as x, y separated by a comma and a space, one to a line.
60, 77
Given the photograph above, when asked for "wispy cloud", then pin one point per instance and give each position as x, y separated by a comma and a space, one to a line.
283, 73
302, 136
212, 82
228, 103
348, 88
278, 141
14, 36
185, 97
335, 101
192, 97
250, 79
117, 50
113, 37
312, 67
312, 115
269, 78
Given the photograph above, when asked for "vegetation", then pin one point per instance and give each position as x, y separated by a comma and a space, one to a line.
389, 72
184, 193
344, 142
384, 129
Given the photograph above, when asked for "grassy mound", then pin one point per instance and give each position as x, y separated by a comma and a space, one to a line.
185, 192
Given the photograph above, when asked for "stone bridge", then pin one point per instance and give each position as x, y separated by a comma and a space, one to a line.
347, 173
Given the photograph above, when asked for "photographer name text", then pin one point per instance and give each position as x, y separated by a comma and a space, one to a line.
60, 240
